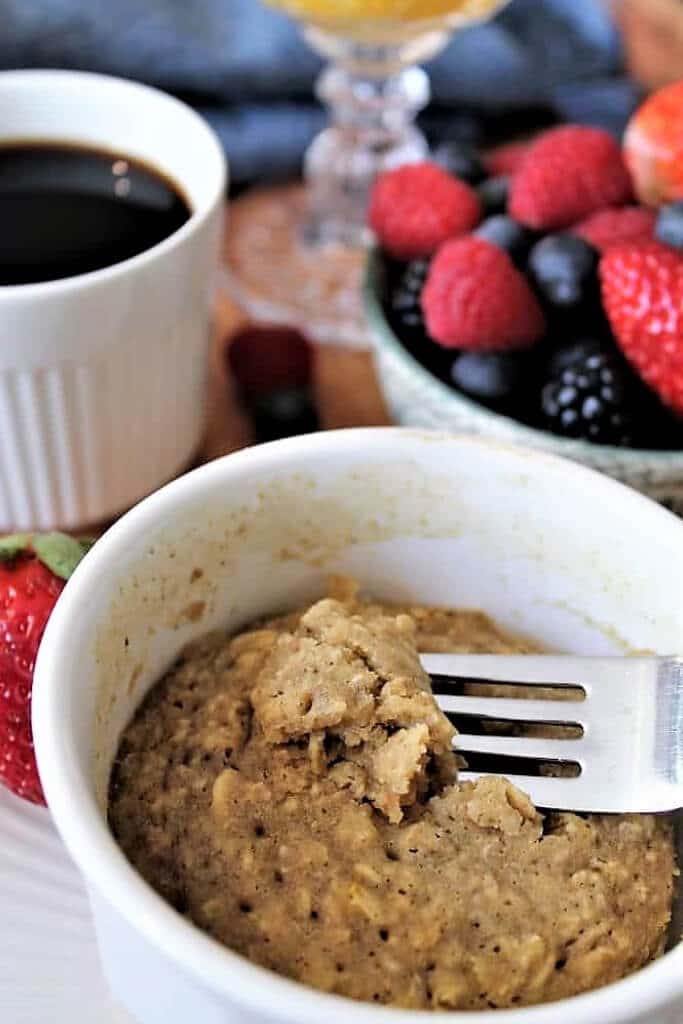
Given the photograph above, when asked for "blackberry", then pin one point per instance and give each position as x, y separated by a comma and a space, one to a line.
590, 399
406, 283
406, 308
573, 351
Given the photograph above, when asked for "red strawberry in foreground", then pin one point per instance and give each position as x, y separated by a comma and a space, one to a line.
476, 299
653, 146
33, 571
417, 207
567, 174
617, 227
642, 289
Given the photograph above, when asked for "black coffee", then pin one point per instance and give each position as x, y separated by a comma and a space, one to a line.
66, 210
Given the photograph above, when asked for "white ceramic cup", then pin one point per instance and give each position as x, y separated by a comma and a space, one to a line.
549, 548
102, 375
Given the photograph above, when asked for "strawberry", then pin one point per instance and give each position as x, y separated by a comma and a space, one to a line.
619, 226
642, 287
33, 571
568, 174
415, 208
476, 299
653, 147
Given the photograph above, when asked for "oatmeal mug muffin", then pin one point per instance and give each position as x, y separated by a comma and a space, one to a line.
293, 791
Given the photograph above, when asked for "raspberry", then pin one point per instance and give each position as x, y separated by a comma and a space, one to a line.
272, 368
642, 288
417, 207
476, 299
265, 360
507, 160
617, 227
569, 173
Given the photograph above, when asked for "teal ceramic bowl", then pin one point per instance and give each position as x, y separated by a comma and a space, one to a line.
416, 398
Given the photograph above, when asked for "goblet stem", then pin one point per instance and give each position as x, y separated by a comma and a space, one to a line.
295, 255
372, 128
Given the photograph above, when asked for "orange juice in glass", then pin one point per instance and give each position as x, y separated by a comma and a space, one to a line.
359, 18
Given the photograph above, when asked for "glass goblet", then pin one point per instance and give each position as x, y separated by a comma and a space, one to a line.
295, 255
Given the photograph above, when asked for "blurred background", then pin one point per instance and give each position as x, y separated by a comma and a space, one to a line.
247, 69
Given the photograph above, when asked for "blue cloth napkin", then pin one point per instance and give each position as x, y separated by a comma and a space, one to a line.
248, 70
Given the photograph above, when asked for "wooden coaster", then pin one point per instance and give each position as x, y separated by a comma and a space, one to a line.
276, 278
345, 387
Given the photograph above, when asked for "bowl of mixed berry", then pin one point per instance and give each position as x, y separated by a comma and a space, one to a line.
535, 294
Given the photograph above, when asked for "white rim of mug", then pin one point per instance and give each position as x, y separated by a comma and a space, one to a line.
195, 221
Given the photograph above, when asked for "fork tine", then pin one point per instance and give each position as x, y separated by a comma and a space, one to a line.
592, 674
631, 750
552, 711
530, 669
520, 746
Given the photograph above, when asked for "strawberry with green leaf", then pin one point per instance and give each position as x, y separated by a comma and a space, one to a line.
33, 572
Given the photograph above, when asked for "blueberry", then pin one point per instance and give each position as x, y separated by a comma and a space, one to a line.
509, 235
564, 270
460, 160
490, 376
669, 228
494, 193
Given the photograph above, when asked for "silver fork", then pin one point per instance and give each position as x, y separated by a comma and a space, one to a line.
625, 751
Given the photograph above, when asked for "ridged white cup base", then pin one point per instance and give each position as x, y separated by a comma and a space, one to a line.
81, 443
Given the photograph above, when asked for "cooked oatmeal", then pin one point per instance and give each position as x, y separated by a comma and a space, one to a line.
293, 791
